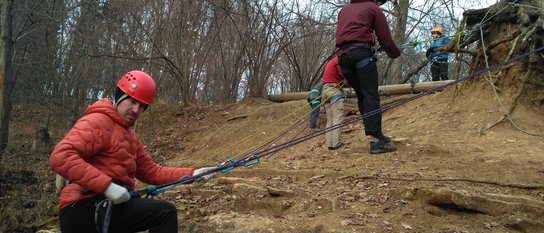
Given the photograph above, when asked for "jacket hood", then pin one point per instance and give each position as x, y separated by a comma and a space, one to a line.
105, 106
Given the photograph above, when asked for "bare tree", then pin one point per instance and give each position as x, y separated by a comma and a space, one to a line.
311, 45
263, 43
226, 65
400, 11
6, 48
71, 52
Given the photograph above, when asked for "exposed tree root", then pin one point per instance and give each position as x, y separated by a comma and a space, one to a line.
238, 117
481, 203
534, 82
514, 102
509, 185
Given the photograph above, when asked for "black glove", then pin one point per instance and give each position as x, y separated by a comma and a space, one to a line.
429, 51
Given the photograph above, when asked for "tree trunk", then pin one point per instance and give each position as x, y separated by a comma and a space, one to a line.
42, 142
6, 48
399, 35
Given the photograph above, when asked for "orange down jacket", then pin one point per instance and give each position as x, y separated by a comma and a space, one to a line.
101, 147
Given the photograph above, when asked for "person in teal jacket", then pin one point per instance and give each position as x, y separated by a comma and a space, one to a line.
314, 99
437, 59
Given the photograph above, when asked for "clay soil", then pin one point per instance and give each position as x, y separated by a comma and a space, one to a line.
450, 173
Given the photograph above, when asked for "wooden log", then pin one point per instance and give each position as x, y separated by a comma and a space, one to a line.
399, 89
402, 89
288, 96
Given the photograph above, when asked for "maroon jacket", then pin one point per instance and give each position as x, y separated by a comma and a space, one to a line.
357, 22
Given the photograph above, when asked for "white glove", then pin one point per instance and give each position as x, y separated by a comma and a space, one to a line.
60, 182
202, 170
117, 194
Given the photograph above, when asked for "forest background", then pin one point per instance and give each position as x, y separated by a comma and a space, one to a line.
65, 54
215, 61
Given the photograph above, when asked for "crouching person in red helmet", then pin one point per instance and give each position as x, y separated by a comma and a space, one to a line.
102, 156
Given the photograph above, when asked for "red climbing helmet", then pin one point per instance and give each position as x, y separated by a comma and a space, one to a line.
138, 85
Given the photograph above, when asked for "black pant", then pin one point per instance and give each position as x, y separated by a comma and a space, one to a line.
364, 82
138, 214
439, 70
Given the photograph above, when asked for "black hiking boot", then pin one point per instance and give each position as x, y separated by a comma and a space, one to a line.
384, 138
381, 146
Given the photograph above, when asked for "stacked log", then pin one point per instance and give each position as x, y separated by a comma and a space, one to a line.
388, 90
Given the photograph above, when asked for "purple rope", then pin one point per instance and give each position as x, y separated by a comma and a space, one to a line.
396, 104
107, 218
292, 127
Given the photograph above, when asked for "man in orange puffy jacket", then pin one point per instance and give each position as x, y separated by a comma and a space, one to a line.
102, 156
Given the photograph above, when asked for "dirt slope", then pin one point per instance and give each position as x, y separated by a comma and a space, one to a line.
450, 174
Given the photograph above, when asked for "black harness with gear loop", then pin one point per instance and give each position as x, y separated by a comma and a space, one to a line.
344, 49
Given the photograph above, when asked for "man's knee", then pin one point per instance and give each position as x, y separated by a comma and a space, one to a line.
168, 206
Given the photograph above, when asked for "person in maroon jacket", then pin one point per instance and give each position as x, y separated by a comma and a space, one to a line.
358, 21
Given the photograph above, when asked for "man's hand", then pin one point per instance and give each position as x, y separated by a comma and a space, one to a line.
203, 170
60, 182
117, 194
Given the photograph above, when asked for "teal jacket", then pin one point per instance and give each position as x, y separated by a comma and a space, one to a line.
434, 55
314, 96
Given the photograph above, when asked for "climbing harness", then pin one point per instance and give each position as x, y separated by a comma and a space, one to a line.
107, 216
362, 63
